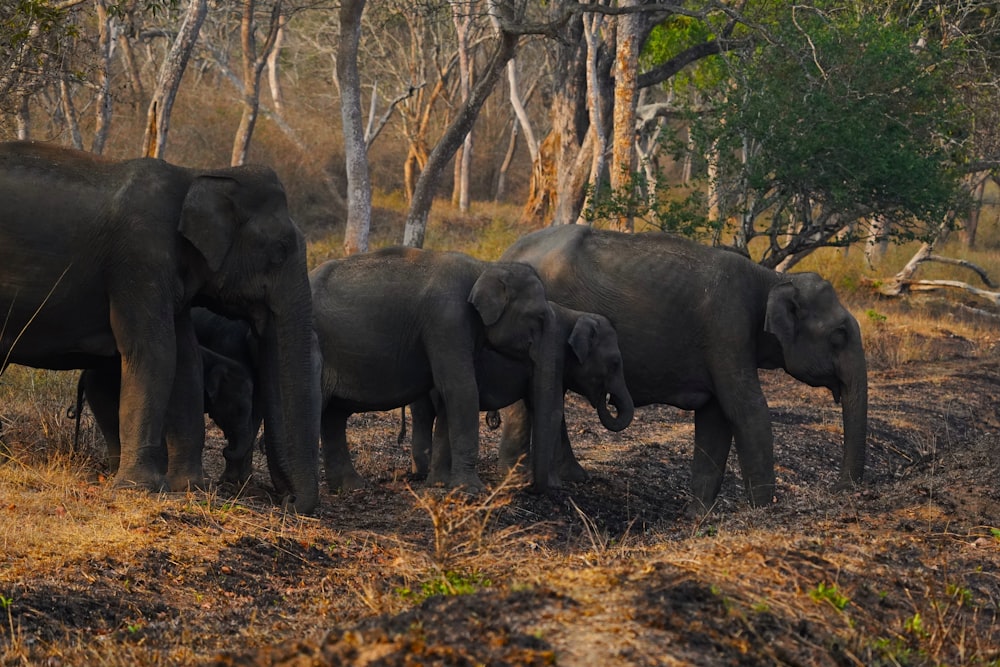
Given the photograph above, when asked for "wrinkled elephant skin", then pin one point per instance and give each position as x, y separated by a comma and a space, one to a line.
395, 324
102, 260
592, 367
694, 324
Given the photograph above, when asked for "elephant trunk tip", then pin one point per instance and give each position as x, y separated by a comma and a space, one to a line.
615, 411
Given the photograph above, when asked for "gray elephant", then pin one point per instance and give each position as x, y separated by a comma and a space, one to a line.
392, 325
102, 260
694, 324
592, 367
228, 400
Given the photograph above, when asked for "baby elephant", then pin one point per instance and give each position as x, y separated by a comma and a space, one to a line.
592, 367
395, 324
228, 400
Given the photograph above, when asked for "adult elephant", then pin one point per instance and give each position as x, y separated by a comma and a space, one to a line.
102, 260
695, 323
397, 323
592, 367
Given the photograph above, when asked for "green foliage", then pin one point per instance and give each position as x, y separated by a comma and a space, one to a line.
875, 317
840, 120
684, 215
830, 594
449, 583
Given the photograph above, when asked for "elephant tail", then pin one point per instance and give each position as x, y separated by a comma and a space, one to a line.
402, 425
76, 412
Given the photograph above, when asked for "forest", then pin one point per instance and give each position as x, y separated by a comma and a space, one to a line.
858, 140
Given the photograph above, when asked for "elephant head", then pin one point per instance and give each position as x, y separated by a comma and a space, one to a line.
595, 370
519, 322
251, 261
821, 346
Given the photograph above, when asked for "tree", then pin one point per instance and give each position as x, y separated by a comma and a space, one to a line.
169, 80
843, 121
253, 66
359, 188
423, 194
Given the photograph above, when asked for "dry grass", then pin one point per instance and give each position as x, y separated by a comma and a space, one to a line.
901, 572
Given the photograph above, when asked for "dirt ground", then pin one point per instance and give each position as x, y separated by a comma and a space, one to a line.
904, 570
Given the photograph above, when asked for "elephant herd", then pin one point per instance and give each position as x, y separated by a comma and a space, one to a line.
181, 291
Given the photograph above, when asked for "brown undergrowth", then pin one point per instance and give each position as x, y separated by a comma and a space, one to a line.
904, 570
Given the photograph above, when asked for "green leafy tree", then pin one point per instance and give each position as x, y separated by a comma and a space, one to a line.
841, 121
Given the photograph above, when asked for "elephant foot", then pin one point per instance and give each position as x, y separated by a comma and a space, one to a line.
468, 482
186, 481
847, 484
762, 495
697, 510
235, 477
572, 471
346, 481
507, 464
438, 478
140, 478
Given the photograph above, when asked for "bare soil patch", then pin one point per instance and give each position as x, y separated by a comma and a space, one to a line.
903, 570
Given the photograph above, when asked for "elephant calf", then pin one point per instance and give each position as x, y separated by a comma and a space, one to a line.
592, 367
228, 400
395, 324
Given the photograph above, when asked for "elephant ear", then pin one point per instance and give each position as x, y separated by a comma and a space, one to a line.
208, 217
583, 337
782, 312
489, 296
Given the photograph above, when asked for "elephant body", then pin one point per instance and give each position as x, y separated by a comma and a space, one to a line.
393, 325
101, 261
592, 367
694, 324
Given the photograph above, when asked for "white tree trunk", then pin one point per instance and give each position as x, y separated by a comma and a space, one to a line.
626, 86
158, 116
592, 24
359, 189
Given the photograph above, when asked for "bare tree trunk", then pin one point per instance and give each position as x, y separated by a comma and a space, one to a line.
461, 14
171, 71
454, 135
592, 25
626, 78
273, 74
131, 69
878, 241
508, 158
23, 119
253, 68
105, 45
69, 113
971, 226
359, 189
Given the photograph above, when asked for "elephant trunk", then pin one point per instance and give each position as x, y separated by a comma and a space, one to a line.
547, 407
291, 401
854, 402
624, 409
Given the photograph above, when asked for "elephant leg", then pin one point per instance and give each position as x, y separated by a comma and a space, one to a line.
713, 438
102, 387
185, 425
569, 468
441, 460
515, 438
742, 400
460, 410
422, 412
340, 472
